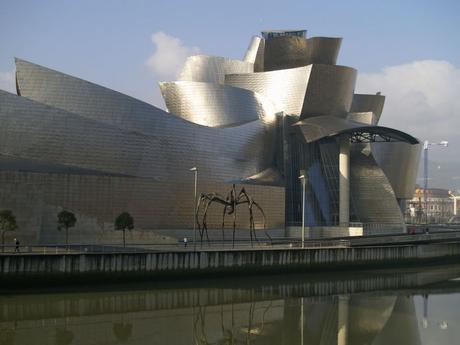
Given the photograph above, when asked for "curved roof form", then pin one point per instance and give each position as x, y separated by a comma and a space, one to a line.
329, 91
286, 88
400, 163
81, 97
212, 69
214, 105
323, 50
368, 103
319, 127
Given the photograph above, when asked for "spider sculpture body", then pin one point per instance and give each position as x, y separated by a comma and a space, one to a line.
230, 202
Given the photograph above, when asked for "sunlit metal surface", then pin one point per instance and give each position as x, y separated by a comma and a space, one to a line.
158, 164
295, 51
368, 103
319, 127
329, 91
323, 50
86, 99
212, 69
31, 130
400, 163
251, 52
255, 53
215, 105
286, 88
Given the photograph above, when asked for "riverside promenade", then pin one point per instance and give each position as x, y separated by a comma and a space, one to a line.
73, 267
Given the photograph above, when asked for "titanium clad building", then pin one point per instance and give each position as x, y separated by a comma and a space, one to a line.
285, 110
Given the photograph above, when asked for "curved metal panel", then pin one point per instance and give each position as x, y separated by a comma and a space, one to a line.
212, 69
33, 131
286, 88
251, 53
323, 50
285, 52
329, 91
367, 118
166, 150
87, 99
371, 193
255, 53
319, 127
400, 163
214, 105
368, 103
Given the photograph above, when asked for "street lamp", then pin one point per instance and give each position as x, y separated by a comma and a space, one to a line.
302, 178
426, 144
195, 170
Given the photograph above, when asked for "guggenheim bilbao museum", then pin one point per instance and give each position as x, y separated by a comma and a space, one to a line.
286, 110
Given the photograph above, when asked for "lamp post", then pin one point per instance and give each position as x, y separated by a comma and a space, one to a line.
427, 144
195, 170
302, 178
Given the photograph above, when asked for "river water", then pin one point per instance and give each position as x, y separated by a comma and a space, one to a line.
410, 306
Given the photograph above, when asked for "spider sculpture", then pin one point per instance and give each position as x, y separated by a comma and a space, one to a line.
230, 203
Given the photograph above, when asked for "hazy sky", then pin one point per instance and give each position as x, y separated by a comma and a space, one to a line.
409, 50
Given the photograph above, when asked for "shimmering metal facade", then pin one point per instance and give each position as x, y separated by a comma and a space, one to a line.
400, 162
330, 91
285, 88
69, 143
214, 105
212, 69
368, 103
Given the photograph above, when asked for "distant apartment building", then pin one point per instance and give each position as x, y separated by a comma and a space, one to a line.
439, 206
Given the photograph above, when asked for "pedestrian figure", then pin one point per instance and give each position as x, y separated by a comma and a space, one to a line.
17, 243
185, 242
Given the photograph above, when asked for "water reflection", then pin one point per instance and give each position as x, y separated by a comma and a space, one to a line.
383, 307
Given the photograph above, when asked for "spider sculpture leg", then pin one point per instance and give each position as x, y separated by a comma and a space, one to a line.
223, 224
263, 215
201, 200
205, 225
244, 198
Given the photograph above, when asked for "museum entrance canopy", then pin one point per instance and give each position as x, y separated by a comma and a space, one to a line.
319, 127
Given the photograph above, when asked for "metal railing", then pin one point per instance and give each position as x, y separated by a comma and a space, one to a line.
212, 245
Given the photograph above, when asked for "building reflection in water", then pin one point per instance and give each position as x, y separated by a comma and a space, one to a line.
280, 310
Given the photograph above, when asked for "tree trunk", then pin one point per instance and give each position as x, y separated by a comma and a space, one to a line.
3, 241
124, 240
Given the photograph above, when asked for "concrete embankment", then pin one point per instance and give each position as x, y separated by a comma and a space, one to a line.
86, 267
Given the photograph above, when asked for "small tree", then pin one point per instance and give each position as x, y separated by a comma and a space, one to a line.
124, 222
66, 220
7, 223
